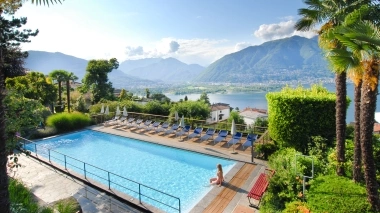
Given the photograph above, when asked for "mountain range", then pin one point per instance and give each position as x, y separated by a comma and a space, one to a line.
286, 59
294, 58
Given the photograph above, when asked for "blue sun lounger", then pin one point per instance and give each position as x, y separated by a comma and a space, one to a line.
153, 126
221, 136
197, 133
172, 130
145, 125
209, 134
235, 139
251, 138
163, 127
184, 130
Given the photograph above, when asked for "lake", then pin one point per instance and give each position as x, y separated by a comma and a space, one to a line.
258, 100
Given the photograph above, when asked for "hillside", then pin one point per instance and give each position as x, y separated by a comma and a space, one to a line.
46, 62
286, 59
166, 70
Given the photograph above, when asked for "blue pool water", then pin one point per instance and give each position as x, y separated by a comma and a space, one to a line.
177, 172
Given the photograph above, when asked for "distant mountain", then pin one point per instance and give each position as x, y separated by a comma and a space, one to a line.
129, 65
286, 59
167, 70
46, 62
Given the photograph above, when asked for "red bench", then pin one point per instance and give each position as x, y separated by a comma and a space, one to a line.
259, 188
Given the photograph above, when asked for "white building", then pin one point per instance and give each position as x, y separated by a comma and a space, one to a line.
250, 115
219, 112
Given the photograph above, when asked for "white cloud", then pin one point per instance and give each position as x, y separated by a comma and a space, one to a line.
133, 51
242, 45
200, 51
280, 30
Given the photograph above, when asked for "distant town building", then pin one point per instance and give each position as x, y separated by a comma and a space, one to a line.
250, 115
219, 112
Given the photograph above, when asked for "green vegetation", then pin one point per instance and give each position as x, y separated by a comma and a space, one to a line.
21, 198
336, 193
96, 79
298, 114
65, 122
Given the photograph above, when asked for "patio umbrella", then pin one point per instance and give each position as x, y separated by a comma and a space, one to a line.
107, 112
117, 111
125, 113
176, 117
182, 123
233, 132
102, 110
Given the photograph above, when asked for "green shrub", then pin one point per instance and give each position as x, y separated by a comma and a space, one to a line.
286, 184
69, 205
43, 133
20, 197
296, 207
265, 150
65, 122
337, 194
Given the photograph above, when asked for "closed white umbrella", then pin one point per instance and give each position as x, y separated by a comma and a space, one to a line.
125, 113
102, 110
107, 112
182, 123
176, 117
117, 111
233, 132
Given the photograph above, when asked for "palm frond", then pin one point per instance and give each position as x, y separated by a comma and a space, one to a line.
46, 2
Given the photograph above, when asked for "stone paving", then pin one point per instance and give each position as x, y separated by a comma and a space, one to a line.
50, 185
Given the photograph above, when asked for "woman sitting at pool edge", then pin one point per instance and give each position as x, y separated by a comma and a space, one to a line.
219, 176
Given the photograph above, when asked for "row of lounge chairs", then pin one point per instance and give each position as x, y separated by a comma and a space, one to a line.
178, 131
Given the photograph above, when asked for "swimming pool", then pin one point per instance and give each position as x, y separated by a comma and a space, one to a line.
177, 172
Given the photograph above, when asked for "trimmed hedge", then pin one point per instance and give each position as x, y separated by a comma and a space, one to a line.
297, 114
337, 194
65, 122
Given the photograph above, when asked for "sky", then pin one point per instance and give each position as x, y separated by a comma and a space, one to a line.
192, 31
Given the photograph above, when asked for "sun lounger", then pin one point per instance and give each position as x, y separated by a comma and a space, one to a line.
221, 136
128, 122
113, 121
209, 134
145, 124
197, 133
172, 130
153, 126
184, 130
163, 127
251, 138
136, 123
235, 139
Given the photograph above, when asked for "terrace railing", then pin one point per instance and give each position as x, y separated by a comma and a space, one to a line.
99, 174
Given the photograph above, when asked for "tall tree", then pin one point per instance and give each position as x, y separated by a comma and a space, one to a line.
204, 97
96, 78
70, 77
59, 76
33, 85
11, 64
362, 39
331, 13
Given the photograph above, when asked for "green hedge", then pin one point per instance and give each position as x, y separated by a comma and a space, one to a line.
65, 122
297, 114
337, 194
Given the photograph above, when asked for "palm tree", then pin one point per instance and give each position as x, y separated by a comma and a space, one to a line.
331, 13
69, 77
45, 2
362, 39
59, 76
